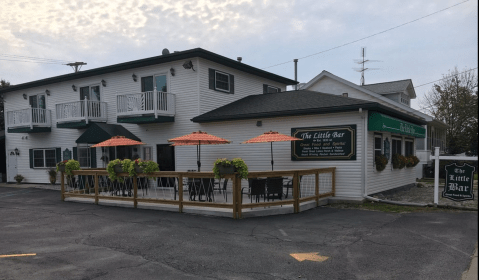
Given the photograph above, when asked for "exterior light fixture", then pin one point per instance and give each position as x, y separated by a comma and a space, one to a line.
188, 65
17, 152
47, 92
134, 77
103, 83
74, 88
25, 96
172, 71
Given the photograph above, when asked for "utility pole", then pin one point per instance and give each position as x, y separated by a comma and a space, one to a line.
76, 65
362, 62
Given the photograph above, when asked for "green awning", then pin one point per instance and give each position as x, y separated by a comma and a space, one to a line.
99, 132
381, 122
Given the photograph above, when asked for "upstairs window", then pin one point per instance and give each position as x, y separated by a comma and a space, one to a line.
90, 93
221, 81
404, 99
270, 89
148, 83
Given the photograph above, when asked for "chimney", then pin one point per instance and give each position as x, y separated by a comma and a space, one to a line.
239, 58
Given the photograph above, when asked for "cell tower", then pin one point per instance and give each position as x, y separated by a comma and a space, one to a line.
363, 61
76, 65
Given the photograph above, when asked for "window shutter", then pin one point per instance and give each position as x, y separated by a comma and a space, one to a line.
265, 88
75, 156
211, 77
92, 157
30, 152
232, 84
58, 153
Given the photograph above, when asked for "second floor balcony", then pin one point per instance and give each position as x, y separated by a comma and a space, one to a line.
29, 120
146, 107
79, 114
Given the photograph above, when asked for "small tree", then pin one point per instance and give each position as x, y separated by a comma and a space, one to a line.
3, 84
454, 101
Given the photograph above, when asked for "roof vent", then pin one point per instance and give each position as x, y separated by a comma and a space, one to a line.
165, 51
239, 58
345, 94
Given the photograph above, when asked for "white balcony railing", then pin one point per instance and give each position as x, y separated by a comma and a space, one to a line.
159, 104
29, 117
81, 110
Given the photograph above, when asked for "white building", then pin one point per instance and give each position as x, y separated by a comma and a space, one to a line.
163, 97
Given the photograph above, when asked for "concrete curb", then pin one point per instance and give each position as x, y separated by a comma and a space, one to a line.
471, 273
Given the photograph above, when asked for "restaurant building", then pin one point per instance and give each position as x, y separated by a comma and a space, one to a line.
159, 98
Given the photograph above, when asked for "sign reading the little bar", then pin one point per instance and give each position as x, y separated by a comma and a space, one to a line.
459, 181
324, 143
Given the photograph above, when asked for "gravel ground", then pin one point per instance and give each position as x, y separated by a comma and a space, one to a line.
423, 192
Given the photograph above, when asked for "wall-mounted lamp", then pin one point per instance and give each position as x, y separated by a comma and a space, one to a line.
172, 71
17, 152
259, 123
25, 96
188, 65
103, 83
74, 88
47, 92
134, 77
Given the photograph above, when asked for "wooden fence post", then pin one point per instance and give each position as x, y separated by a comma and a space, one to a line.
180, 193
62, 188
316, 186
135, 192
96, 188
296, 192
239, 204
235, 198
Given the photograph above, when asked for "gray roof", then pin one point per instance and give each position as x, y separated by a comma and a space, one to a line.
289, 103
389, 87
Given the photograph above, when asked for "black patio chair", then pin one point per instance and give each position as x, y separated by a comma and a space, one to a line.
289, 185
274, 188
200, 187
256, 189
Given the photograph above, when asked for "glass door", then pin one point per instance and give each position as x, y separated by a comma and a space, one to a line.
38, 108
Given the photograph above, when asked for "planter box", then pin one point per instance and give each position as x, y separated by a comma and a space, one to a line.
226, 170
61, 168
118, 168
138, 169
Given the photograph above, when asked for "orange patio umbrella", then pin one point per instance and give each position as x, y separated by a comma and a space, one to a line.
198, 138
271, 136
118, 141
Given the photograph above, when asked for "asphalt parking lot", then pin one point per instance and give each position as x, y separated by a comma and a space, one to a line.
85, 241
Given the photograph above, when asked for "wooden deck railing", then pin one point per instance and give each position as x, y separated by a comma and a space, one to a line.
168, 187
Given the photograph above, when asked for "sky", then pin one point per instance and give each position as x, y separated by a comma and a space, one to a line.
323, 35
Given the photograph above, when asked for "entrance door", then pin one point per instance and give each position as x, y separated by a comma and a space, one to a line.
38, 108
165, 157
12, 166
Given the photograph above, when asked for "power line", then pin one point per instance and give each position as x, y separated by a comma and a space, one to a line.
446, 77
23, 58
43, 62
370, 35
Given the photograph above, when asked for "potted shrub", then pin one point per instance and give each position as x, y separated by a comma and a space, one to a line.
19, 178
113, 168
412, 161
381, 161
239, 166
67, 166
146, 166
223, 166
52, 173
399, 161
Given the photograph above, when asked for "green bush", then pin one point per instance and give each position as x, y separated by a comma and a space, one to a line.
411, 161
238, 163
381, 161
70, 165
399, 161
110, 168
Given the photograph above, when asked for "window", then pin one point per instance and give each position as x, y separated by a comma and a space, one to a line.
38, 105
396, 146
147, 153
90, 93
404, 99
221, 81
84, 156
409, 147
44, 158
378, 140
270, 89
148, 83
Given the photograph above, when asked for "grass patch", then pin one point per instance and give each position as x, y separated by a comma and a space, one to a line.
385, 207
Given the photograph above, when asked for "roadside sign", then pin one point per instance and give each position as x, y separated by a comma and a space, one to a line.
459, 182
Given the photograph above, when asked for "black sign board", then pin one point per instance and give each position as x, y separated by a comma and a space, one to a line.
324, 143
459, 181
387, 148
67, 154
